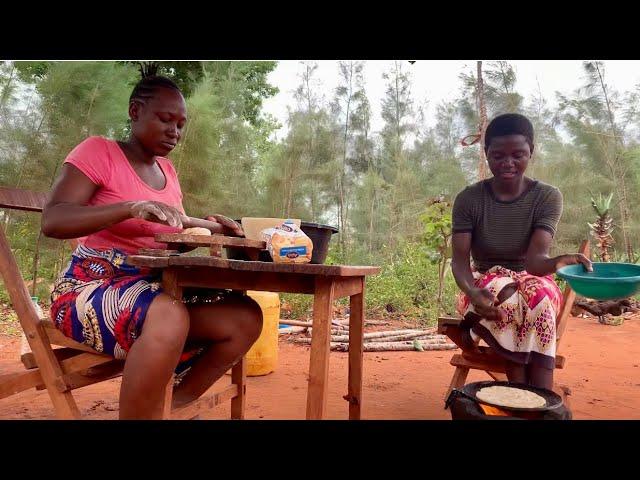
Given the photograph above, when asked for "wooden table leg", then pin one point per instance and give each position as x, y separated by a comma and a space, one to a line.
170, 287
356, 339
239, 377
320, 342
164, 409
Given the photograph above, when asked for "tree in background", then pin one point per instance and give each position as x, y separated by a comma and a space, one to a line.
348, 92
485, 94
599, 120
331, 167
603, 226
405, 195
437, 237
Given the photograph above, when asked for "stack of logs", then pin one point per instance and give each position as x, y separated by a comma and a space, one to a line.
602, 309
392, 340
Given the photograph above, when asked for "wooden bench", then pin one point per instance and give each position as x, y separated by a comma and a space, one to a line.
75, 365
486, 359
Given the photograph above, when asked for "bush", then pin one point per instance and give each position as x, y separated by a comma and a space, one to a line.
408, 283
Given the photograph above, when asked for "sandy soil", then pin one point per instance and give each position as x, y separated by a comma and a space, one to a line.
602, 371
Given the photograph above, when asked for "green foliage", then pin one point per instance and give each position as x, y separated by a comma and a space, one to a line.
9, 323
437, 230
299, 306
408, 284
331, 167
437, 237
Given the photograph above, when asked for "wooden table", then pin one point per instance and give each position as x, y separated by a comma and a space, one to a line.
325, 282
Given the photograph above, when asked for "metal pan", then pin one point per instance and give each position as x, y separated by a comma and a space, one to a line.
553, 400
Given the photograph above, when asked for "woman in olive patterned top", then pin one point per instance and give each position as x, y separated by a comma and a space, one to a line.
506, 224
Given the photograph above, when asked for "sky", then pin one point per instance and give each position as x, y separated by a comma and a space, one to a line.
436, 80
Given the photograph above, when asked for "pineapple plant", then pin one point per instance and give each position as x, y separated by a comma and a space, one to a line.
603, 226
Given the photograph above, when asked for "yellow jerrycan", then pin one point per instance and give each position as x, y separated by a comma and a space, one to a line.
262, 357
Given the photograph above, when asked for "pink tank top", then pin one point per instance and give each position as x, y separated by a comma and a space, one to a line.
105, 164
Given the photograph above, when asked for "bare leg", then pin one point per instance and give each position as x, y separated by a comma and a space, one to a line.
540, 377
153, 358
230, 327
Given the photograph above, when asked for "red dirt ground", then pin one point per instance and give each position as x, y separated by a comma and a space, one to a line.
602, 371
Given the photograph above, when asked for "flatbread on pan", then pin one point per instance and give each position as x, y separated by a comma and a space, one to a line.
510, 397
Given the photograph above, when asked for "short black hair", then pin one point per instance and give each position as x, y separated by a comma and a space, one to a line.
147, 86
509, 124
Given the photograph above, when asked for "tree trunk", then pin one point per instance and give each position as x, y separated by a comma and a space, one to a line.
7, 87
371, 225
624, 210
36, 256
344, 163
396, 346
440, 281
482, 109
621, 176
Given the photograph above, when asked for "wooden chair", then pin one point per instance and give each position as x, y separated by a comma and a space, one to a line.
491, 362
75, 365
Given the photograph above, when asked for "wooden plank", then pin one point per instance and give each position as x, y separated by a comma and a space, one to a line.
208, 261
498, 377
74, 364
449, 320
204, 403
320, 343
495, 364
208, 240
147, 261
170, 283
458, 380
460, 361
347, 287
206, 277
239, 380
99, 373
13, 383
356, 340
171, 287
157, 252
29, 361
164, 410
49, 367
18, 199
490, 362
569, 298
305, 268
56, 337
84, 361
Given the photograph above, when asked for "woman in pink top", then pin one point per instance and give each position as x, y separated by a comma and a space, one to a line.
117, 196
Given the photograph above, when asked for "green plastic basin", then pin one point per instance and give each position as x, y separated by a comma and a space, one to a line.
608, 281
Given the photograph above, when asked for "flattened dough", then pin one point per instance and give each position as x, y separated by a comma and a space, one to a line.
510, 397
196, 231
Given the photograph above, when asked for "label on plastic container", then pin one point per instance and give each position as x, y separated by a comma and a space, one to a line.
293, 252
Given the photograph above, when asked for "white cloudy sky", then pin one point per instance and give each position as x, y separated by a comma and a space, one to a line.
436, 80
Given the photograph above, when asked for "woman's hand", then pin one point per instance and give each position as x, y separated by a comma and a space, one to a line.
230, 226
157, 212
484, 302
573, 259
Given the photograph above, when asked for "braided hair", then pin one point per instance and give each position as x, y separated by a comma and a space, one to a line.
147, 86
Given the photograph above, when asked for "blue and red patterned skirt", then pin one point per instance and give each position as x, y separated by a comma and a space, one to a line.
102, 302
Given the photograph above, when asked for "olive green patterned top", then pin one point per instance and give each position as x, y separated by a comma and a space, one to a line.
501, 230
